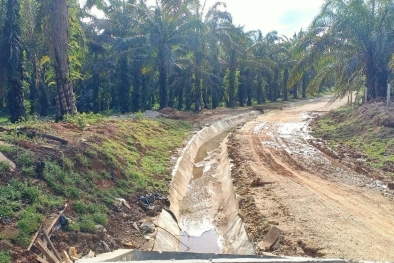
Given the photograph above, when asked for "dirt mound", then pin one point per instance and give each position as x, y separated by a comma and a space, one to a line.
364, 132
176, 114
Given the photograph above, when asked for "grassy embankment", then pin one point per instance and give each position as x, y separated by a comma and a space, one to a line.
368, 129
103, 159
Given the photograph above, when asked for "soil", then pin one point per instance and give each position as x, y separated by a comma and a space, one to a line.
327, 204
205, 116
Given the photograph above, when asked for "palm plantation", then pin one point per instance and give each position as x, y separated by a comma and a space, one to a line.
184, 54
73, 71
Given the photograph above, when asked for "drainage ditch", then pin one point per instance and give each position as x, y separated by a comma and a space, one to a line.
203, 199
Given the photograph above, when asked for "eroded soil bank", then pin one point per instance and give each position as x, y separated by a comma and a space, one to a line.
324, 208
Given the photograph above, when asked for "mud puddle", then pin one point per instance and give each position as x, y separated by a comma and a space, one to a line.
206, 243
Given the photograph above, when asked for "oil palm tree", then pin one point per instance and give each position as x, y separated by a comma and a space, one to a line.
350, 41
11, 62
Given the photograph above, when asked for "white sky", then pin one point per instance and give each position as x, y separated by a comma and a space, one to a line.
284, 16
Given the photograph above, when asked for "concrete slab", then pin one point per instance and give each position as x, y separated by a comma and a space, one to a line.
5, 159
5, 144
270, 238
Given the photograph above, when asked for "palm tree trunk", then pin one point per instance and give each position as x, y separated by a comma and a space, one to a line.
274, 86
15, 101
295, 90
163, 87
260, 89
180, 99
305, 79
59, 28
198, 82
11, 61
285, 79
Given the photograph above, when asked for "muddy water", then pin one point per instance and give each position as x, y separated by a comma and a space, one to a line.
206, 243
202, 203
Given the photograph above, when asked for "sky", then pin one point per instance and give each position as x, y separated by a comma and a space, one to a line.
284, 16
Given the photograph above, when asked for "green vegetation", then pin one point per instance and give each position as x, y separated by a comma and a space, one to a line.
24, 200
179, 54
5, 257
367, 129
4, 167
120, 158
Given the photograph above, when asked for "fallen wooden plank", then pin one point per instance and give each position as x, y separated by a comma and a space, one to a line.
49, 229
66, 258
40, 259
33, 239
33, 134
45, 251
52, 246
124, 202
72, 252
136, 227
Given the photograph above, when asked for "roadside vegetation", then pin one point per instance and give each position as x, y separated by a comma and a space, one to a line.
103, 160
367, 129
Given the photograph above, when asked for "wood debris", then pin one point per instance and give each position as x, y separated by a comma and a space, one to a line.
124, 202
42, 241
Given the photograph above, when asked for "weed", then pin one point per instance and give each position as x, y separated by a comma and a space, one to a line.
4, 167
139, 116
80, 207
28, 223
82, 120
100, 218
91, 152
86, 223
97, 208
67, 163
8, 149
25, 159
84, 160
29, 171
5, 257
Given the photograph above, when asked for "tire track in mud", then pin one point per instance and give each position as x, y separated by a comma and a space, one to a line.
318, 204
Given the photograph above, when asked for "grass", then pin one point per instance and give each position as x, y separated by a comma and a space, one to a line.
137, 153
4, 167
365, 129
27, 202
5, 257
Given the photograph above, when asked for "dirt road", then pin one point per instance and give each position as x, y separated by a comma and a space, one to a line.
323, 207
